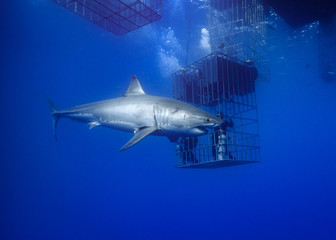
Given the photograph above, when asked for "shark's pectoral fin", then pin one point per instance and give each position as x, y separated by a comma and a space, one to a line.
93, 124
138, 136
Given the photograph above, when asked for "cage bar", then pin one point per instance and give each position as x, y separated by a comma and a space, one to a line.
224, 86
116, 16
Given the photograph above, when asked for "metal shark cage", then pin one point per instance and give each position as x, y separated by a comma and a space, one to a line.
238, 28
223, 86
116, 16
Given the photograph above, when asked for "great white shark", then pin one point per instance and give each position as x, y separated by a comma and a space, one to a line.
141, 114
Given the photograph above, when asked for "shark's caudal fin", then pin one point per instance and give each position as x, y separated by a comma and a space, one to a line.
55, 118
138, 135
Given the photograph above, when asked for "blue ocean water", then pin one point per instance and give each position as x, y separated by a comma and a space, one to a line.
81, 187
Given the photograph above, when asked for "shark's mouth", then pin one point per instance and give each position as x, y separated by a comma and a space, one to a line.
210, 125
202, 129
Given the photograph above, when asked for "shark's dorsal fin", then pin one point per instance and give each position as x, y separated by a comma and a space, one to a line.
134, 88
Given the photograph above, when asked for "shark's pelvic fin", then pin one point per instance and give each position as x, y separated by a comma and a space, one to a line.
54, 116
93, 124
134, 88
138, 136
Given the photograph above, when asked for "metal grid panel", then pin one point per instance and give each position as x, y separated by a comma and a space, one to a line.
222, 85
116, 16
238, 28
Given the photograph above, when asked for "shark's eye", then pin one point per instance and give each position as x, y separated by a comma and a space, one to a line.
208, 120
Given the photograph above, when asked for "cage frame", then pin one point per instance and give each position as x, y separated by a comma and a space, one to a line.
237, 103
116, 16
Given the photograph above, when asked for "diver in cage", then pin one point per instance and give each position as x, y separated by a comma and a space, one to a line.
189, 144
220, 139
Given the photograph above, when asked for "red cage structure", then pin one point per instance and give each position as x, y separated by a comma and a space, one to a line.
116, 16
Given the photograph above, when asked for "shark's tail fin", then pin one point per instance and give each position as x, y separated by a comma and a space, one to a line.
54, 116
